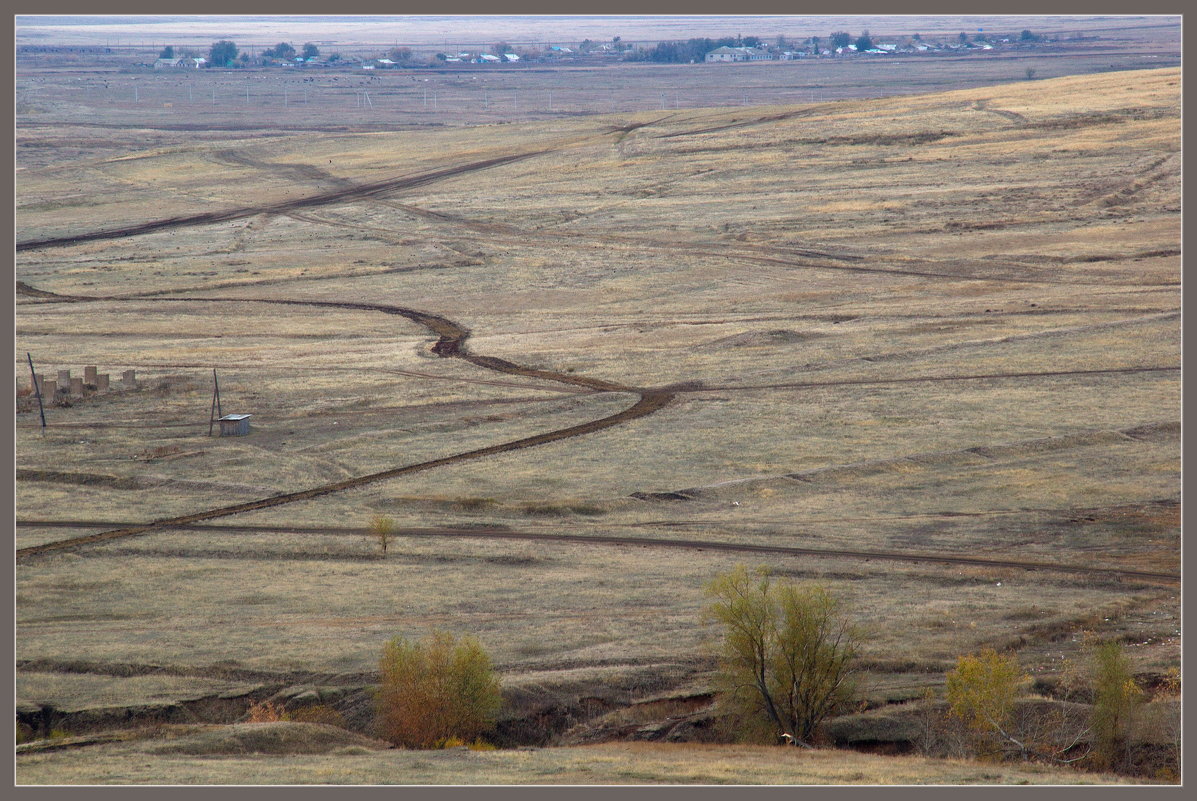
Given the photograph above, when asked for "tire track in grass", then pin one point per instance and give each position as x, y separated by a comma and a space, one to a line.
450, 344
321, 199
503, 533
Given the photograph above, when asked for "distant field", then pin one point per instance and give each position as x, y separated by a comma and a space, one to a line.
142, 108
941, 325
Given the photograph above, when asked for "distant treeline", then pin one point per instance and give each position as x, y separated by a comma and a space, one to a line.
689, 50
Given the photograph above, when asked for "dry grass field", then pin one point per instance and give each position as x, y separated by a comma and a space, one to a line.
943, 325
269, 754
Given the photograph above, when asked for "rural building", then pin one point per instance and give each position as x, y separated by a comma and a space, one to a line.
234, 425
169, 63
738, 54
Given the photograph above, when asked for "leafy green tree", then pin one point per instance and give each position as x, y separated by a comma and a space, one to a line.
1116, 698
400, 54
222, 53
865, 42
814, 44
167, 52
1027, 36
840, 39
283, 50
787, 653
310, 50
436, 689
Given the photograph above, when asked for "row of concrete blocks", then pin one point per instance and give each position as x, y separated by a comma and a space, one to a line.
74, 386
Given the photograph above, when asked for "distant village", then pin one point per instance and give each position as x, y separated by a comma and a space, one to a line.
736, 49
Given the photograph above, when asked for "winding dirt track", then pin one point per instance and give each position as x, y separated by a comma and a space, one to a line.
647, 542
451, 344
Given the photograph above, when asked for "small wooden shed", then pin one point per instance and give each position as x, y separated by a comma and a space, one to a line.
234, 425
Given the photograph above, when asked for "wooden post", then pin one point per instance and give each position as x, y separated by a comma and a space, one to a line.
37, 390
212, 412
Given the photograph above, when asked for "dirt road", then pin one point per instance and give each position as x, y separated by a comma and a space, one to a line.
450, 344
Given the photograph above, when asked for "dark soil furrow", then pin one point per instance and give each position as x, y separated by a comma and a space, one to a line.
926, 379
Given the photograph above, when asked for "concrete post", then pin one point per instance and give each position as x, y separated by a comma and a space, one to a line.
64, 377
77, 387
49, 387
89, 375
102, 382
129, 379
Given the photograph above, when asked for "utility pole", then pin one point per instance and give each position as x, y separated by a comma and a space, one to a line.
37, 390
215, 402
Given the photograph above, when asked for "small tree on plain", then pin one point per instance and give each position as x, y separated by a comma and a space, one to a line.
1116, 698
865, 42
222, 53
282, 50
786, 656
981, 691
167, 52
436, 689
1027, 36
382, 530
840, 39
400, 54
310, 50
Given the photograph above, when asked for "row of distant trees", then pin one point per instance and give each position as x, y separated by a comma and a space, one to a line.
225, 53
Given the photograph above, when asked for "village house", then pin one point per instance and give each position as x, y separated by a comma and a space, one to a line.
738, 54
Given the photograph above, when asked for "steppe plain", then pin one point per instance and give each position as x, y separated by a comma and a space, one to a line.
883, 331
